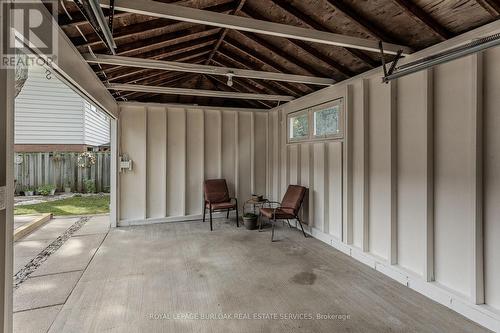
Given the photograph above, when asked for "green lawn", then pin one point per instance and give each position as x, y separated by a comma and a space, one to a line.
71, 206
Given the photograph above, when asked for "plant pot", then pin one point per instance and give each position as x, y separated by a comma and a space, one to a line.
67, 190
250, 222
28, 193
52, 192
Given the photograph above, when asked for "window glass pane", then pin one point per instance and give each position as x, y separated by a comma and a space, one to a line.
326, 121
299, 127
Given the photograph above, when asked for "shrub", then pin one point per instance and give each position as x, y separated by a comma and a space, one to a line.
106, 189
89, 185
45, 189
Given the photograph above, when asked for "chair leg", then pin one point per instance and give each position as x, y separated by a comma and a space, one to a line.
211, 227
301, 227
237, 217
272, 230
259, 222
204, 212
288, 221
227, 215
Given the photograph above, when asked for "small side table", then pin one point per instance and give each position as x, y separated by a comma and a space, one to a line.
255, 204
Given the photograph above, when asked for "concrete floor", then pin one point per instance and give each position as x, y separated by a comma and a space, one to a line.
167, 277
39, 299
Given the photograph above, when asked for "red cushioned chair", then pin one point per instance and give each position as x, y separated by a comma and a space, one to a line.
287, 209
216, 199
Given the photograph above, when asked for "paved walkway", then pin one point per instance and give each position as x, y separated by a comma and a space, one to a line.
40, 297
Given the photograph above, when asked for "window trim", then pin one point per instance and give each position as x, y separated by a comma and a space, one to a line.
310, 118
338, 102
295, 115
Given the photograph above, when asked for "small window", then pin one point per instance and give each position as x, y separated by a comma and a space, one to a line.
298, 126
326, 121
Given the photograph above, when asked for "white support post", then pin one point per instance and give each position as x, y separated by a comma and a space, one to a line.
477, 183
393, 255
429, 113
115, 176
7, 93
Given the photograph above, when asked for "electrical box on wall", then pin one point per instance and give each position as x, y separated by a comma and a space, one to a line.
125, 163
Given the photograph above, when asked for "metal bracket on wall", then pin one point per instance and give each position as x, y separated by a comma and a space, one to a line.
390, 71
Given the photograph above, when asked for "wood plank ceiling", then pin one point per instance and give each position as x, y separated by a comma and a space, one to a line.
414, 23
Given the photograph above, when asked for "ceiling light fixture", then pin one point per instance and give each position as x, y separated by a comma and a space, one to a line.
230, 79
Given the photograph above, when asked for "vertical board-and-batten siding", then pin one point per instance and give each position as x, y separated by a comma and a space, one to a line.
425, 179
174, 149
48, 111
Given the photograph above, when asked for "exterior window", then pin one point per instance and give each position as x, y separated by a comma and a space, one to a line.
298, 126
324, 121
327, 122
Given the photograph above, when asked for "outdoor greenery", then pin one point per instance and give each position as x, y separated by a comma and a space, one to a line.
83, 205
299, 126
45, 190
89, 185
326, 121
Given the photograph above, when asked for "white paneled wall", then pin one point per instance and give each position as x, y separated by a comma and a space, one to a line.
425, 183
174, 149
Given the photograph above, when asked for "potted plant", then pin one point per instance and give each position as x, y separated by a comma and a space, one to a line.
46, 190
250, 220
29, 191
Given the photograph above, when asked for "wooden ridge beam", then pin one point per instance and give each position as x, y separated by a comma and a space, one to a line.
223, 34
175, 12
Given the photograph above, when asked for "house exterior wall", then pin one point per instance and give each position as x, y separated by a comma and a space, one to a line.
174, 149
48, 111
425, 164
96, 126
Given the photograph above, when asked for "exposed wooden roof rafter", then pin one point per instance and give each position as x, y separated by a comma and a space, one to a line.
312, 23
419, 15
491, 6
175, 12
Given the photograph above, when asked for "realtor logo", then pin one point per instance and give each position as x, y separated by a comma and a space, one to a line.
33, 31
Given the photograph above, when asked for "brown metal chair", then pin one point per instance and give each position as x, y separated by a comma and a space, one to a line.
287, 209
216, 198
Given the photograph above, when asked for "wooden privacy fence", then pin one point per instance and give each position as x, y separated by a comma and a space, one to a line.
32, 170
